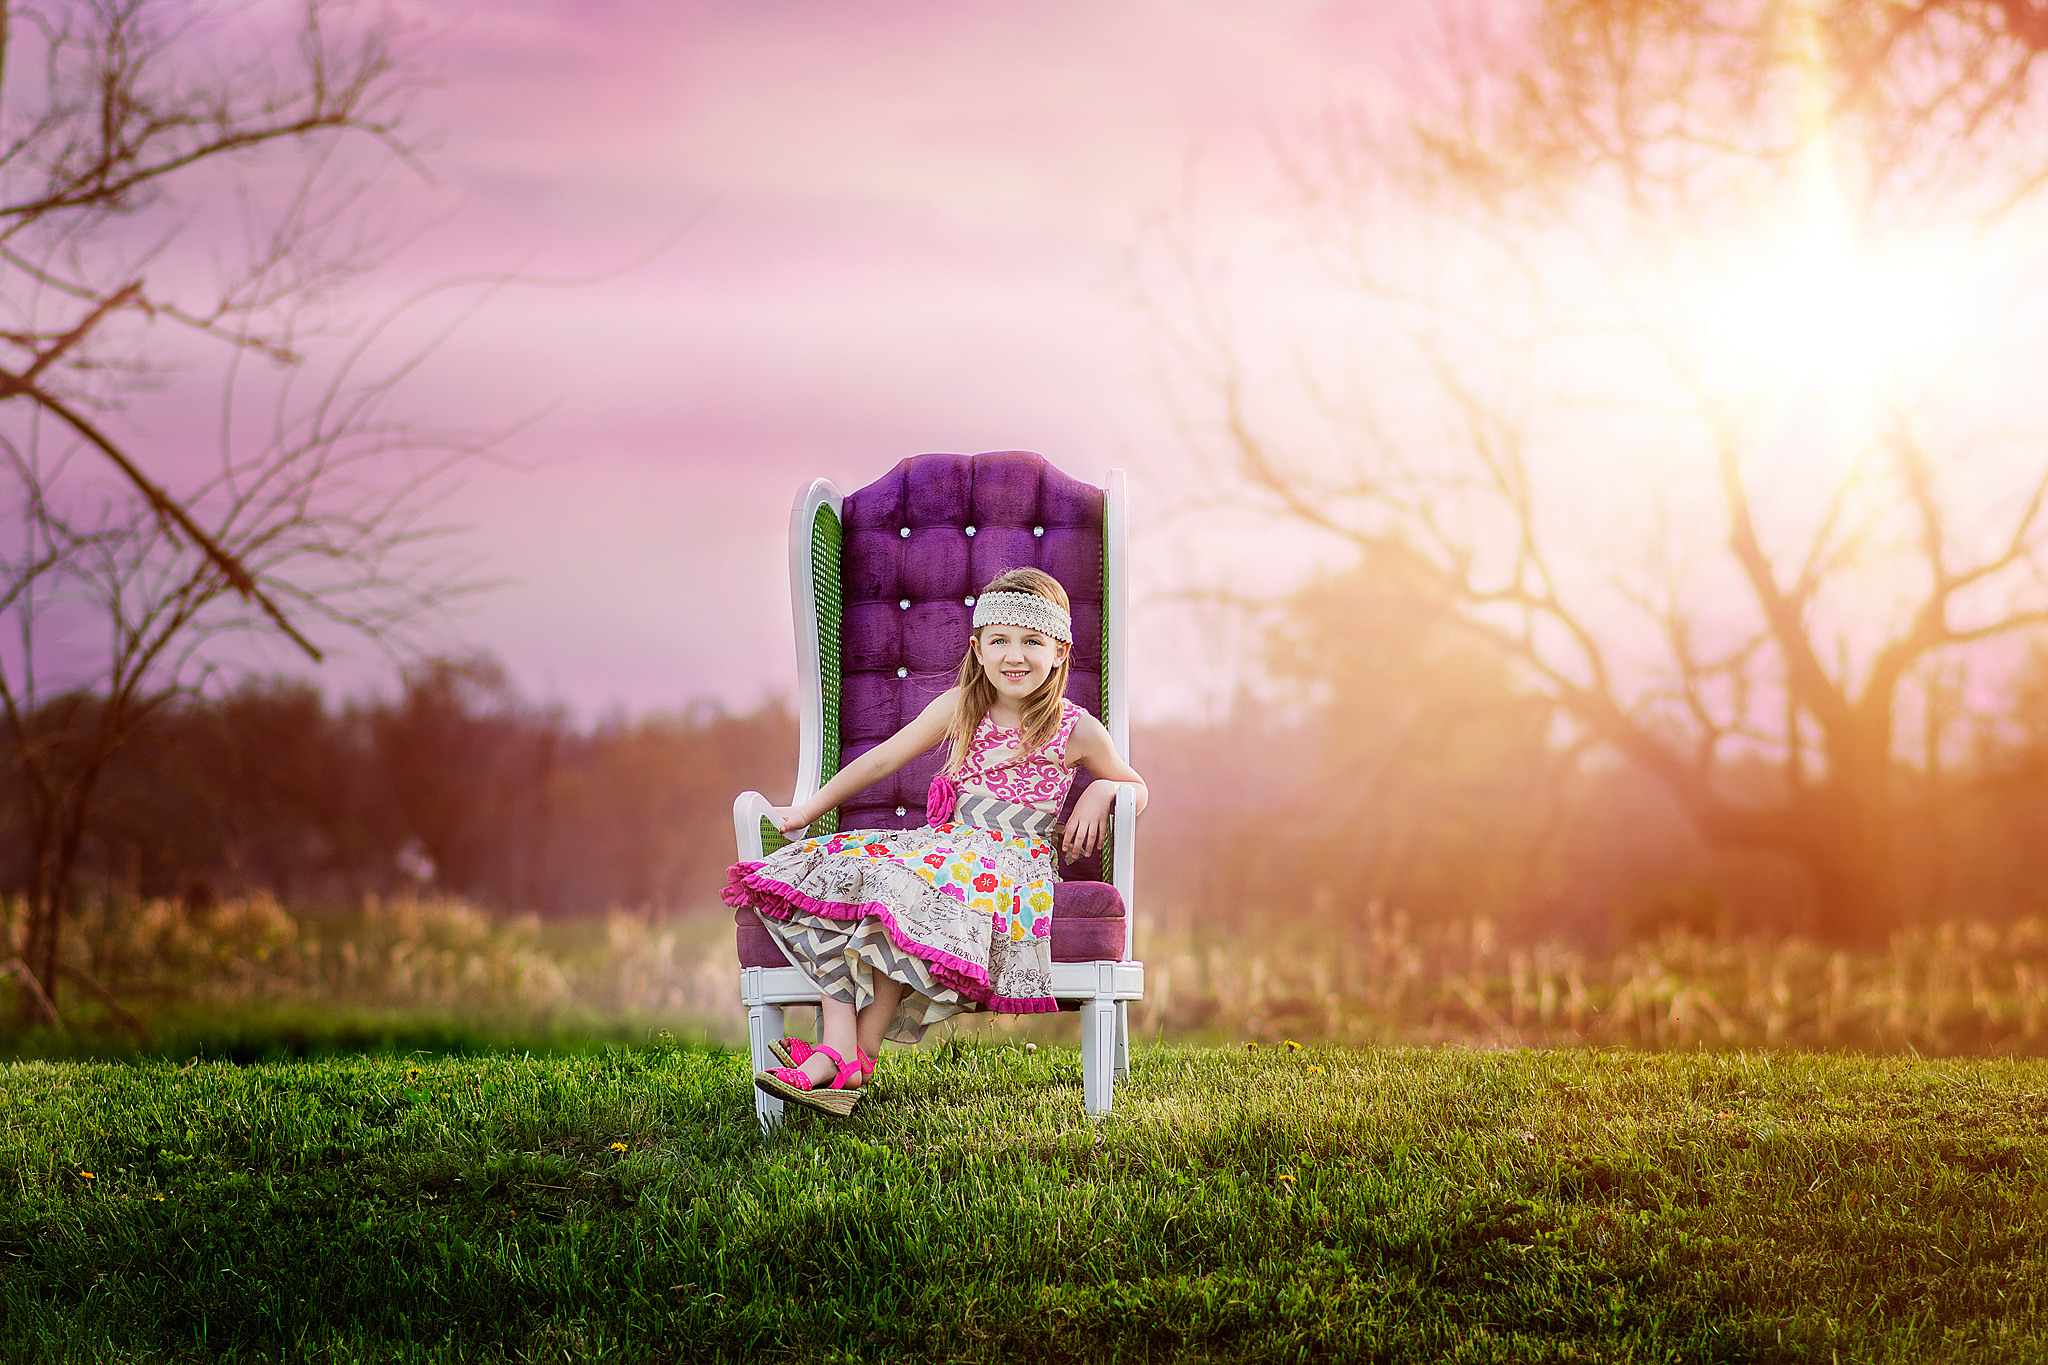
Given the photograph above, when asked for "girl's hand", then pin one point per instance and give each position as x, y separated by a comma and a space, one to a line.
789, 818
1090, 821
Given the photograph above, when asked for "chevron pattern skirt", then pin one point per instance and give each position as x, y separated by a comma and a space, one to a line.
961, 914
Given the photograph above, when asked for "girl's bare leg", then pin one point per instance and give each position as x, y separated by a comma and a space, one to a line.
874, 1020
844, 1031
837, 1034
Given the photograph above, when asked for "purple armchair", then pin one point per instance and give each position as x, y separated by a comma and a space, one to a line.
882, 583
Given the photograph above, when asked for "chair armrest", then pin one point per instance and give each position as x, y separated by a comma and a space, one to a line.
749, 809
1124, 860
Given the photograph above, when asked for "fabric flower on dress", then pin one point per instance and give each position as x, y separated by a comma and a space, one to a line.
1042, 927
985, 882
938, 800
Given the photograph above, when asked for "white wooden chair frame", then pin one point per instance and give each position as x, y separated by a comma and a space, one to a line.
1104, 989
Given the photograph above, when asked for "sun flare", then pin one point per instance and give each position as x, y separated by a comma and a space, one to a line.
1806, 308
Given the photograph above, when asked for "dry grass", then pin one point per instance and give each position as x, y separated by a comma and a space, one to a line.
428, 958
1952, 989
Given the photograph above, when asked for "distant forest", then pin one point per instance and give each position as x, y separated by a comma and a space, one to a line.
1440, 800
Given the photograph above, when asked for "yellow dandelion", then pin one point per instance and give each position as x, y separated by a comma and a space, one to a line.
413, 1074
1315, 1071
156, 1198
618, 1146
1251, 1047
1286, 1177
87, 1175
1293, 1046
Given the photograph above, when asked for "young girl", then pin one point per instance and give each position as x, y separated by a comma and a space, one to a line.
902, 928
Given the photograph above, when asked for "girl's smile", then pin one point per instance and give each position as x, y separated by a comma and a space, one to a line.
1017, 661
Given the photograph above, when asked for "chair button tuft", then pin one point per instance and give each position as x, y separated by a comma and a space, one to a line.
970, 530
968, 600
902, 672
900, 810
1038, 530
904, 532
904, 604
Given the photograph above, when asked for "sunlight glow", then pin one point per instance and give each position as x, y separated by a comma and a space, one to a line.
1808, 304
1809, 309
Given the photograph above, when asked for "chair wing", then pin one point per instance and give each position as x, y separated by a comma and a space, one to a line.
816, 542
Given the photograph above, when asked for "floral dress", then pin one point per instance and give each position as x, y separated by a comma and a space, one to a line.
960, 911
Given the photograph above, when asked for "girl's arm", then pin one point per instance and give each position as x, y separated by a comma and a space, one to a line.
1091, 747
874, 765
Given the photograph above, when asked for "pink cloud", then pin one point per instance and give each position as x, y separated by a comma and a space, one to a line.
906, 228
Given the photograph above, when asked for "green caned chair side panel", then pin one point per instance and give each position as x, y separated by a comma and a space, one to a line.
771, 837
826, 537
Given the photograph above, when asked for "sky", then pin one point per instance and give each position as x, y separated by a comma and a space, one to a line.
814, 239
686, 257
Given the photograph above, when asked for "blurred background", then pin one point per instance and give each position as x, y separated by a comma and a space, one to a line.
1588, 466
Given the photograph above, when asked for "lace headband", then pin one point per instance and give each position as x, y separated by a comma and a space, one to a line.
1026, 609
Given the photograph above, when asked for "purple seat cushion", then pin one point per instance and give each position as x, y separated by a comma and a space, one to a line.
1086, 900
1087, 940
1087, 926
757, 945
907, 569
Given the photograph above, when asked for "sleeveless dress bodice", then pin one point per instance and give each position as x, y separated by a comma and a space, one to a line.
1014, 792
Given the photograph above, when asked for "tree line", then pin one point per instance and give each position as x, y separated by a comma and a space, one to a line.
455, 785
1406, 770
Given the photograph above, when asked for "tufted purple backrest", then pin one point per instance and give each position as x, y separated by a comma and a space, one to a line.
918, 543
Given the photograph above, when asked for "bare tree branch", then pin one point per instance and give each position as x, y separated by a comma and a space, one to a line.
1561, 183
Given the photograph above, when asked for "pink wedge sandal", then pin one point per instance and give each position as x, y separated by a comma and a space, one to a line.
796, 1051
790, 1051
788, 1083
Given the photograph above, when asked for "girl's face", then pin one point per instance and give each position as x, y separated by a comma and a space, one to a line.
1017, 661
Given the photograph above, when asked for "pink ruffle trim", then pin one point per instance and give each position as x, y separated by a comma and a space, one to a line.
746, 888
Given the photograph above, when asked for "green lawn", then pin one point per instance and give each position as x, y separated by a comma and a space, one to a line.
1398, 1205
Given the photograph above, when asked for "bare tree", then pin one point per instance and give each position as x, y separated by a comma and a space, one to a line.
1573, 410
181, 192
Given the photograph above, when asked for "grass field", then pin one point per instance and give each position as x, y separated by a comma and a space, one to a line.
1271, 1205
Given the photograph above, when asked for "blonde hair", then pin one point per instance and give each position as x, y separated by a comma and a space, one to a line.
1041, 718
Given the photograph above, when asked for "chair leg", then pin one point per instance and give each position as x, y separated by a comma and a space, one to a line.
764, 1022
1098, 1055
1123, 1039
